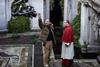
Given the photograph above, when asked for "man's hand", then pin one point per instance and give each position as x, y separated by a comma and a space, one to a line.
39, 15
67, 44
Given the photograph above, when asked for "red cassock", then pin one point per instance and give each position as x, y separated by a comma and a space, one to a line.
67, 35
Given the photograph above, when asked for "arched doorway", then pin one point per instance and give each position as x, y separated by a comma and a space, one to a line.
56, 17
56, 12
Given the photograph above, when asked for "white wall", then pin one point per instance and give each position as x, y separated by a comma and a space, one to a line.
38, 6
5, 13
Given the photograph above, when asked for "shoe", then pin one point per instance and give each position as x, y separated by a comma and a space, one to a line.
46, 65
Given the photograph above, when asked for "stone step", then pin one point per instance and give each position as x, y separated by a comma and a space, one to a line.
91, 49
18, 40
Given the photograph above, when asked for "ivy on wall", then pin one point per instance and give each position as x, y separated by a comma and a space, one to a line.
76, 26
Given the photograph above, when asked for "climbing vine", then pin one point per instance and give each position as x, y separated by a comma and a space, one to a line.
76, 26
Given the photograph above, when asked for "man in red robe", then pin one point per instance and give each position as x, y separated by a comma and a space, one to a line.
67, 53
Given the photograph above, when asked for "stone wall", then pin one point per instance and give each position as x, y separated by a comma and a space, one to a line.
90, 31
14, 56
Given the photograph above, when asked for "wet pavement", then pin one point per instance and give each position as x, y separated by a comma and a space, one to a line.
77, 63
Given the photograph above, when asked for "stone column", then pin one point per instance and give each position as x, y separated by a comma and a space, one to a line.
82, 30
5, 12
3, 20
8, 9
86, 25
70, 9
46, 9
65, 9
74, 11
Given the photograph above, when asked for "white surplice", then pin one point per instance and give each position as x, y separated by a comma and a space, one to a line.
67, 52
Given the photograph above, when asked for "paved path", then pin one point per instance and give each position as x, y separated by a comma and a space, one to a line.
77, 63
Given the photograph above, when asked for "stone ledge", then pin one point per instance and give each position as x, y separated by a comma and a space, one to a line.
16, 39
19, 34
91, 49
16, 45
79, 60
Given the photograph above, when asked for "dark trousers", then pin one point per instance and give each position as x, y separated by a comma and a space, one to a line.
67, 63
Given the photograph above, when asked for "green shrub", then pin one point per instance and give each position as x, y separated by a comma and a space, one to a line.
58, 33
19, 24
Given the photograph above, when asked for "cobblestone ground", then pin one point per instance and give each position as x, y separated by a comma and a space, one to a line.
77, 63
